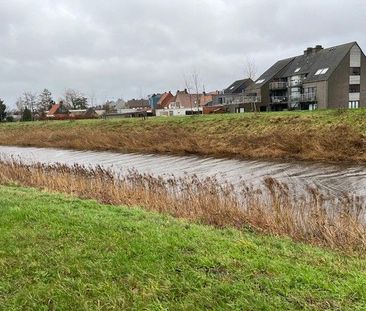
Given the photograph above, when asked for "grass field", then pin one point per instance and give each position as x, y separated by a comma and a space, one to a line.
62, 253
331, 135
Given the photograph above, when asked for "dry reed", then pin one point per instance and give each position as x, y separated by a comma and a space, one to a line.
335, 223
287, 137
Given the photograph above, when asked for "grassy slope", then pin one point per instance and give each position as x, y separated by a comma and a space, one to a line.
335, 135
68, 254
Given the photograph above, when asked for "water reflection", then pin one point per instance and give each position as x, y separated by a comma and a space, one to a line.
336, 179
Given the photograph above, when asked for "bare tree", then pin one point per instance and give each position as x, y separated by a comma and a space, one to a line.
250, 71
192, 83
27, 101
20, 104
188, 85
195, 80
75, 100
250, 68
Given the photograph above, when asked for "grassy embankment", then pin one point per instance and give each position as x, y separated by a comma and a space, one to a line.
62, 253
272, 211
334, 135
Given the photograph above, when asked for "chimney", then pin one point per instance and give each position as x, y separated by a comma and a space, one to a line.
318, 48
308, 51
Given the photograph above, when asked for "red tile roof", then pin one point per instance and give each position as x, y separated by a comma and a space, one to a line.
165, 100
53, 109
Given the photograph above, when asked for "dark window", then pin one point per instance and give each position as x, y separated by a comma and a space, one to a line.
355, 71
354, 88
310, 90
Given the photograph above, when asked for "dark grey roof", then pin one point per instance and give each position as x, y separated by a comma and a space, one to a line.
137, 103
273, 71
310, 64
238, 86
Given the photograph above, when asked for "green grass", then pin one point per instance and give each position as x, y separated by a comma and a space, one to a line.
318, 117
326, 135
62, 253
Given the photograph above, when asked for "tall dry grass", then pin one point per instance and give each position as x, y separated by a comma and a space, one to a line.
335, 223
276, 138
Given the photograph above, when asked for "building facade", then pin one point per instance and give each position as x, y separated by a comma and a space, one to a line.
320, 78
231, 99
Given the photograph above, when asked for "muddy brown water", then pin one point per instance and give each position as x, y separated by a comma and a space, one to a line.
333, 178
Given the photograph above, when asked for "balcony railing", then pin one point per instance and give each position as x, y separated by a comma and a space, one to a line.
303, 98
251, 99
279, 99
310, 97
278, 85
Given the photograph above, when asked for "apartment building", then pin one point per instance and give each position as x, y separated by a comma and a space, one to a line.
320, 78
232, 97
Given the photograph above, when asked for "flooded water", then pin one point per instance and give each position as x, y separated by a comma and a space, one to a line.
336, 179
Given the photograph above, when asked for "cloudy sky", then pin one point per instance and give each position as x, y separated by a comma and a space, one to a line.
110, 49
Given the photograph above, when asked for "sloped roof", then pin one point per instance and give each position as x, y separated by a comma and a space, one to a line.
326, 58
137, 103
186, 100
238, 86
272, 72
53, 109
309, 64
165, 100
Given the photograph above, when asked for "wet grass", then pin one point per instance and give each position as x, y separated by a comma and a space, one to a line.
62, 253
329, 135
313, 216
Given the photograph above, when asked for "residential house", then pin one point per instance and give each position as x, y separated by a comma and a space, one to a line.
165, 100
132, 108
138, 104
184, 103
321, 78
154, 100
58, 111
231, 99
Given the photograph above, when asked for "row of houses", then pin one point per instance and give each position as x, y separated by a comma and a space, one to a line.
319, 78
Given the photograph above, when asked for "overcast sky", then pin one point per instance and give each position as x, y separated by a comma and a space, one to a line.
110, 49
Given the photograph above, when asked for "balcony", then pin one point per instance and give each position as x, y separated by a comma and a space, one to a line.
279, 99
278, 86
251, 99
308, 97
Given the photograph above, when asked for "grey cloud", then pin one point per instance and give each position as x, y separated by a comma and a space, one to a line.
118, 48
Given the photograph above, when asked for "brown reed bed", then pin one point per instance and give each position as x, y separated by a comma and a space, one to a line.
320, 136
313, 218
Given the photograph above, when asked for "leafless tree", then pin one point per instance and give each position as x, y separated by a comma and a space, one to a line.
75, 100
250, 68
250, 71
195, 80
192, 83
188, 85
20, 104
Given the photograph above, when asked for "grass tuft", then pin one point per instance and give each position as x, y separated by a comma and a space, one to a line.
62, 253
